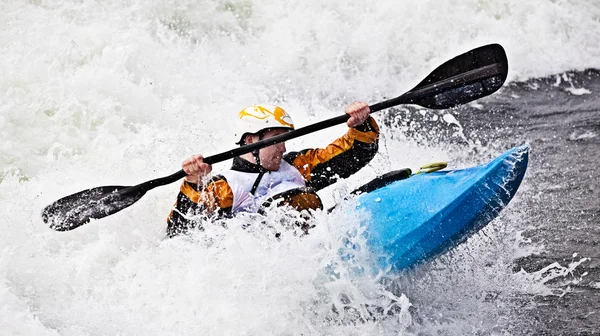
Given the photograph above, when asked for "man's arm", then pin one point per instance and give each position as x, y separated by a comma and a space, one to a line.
215, 198
345, 156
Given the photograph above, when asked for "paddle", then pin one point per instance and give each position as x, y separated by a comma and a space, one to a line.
472, 75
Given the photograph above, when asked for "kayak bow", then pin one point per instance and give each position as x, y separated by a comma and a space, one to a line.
415, 219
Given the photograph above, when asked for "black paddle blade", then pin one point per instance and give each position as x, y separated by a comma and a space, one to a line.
467, 77
75, 210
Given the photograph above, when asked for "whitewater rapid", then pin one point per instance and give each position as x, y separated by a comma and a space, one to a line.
120, 92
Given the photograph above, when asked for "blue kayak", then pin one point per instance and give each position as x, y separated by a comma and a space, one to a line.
415, 219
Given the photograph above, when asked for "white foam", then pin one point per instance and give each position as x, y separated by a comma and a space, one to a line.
582, 136
578, 91
116, 93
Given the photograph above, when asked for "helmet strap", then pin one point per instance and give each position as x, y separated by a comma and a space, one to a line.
255, 152
256, 156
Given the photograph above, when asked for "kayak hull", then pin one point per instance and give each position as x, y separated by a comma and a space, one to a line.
415, 219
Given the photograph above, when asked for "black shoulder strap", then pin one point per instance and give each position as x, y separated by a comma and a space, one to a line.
257, 182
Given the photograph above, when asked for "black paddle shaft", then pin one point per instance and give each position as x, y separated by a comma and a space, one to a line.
495, 74
467, 77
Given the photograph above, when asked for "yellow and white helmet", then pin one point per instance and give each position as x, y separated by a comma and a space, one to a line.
256, 118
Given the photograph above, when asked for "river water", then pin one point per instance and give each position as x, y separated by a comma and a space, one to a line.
559, 116
119, 92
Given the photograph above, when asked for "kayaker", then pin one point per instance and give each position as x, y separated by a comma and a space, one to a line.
268, 174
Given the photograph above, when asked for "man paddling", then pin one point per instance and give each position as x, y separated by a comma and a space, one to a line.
264, 175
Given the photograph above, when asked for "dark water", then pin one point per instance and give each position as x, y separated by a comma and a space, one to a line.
561, 200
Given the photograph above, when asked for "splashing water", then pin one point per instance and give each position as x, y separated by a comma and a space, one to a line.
118, 92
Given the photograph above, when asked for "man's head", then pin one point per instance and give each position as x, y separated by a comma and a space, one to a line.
259, 122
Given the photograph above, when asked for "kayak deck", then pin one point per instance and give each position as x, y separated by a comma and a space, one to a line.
415, 219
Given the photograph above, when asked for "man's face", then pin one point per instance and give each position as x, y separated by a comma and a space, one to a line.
270, 157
